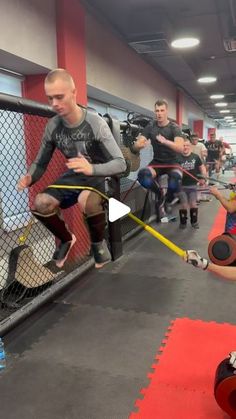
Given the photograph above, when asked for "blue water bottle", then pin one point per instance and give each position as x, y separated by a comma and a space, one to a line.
2, 356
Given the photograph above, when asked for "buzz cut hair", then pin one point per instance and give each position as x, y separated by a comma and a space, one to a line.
59, 73
161, 102
186, 138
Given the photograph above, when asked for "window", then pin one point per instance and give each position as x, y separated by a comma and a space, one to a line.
12, 146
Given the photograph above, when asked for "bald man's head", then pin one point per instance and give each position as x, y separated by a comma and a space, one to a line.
61, 92
59, 74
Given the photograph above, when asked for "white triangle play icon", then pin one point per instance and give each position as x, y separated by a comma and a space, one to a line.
116, 209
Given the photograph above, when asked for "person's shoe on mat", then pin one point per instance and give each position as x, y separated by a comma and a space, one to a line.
62, 252
101, 254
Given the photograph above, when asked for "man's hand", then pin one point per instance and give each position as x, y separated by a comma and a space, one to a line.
202, 182
80, 165
141, 142
24, 182
193, 258
161, 139
214, 191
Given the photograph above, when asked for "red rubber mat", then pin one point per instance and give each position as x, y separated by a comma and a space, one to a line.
218, 226
181, 385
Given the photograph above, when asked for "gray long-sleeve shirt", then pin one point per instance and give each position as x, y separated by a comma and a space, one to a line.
91, 137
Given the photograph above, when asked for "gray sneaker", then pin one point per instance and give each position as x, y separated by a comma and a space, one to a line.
182, 226
101, 253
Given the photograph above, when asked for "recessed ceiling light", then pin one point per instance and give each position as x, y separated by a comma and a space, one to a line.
217, 96
207, 79
221, 104
225, 111
185, 42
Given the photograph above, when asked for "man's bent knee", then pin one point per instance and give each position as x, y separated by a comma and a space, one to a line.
145, 177
175, 181
90, 202
45, 203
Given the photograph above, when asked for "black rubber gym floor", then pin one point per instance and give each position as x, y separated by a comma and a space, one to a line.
87, 354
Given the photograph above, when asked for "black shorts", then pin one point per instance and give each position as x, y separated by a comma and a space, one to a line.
212, 160
69, 197
165, 170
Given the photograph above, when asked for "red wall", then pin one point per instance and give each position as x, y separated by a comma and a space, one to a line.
198, 127
179, 108
210, 131
71, 55
71, 51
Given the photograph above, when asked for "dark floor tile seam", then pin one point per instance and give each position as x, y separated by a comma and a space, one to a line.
167, 275
77, 369
109, 308
129, 252
181, 301
41, 338
120, 263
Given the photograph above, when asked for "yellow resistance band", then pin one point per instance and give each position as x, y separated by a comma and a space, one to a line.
180, 252
22, 239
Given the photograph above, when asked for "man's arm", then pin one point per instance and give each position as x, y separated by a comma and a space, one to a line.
177, 145
193, 258
202, 169
222, 150
229, 205
39, 165
203, 152
143, 139
115, 163
228, 272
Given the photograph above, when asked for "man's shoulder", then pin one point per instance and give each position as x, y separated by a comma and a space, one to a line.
151, 124
195, 156
54, 122
173, 124
174, 127
93, 115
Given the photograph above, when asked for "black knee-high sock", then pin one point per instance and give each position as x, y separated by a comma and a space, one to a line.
54, 224
96, 224
193, 215
183, 216
155, 187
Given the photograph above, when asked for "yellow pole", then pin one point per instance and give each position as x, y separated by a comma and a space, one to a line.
180, 252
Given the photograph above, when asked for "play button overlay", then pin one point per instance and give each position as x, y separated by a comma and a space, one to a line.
116, 210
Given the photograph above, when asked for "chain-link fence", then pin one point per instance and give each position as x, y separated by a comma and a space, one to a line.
26, 247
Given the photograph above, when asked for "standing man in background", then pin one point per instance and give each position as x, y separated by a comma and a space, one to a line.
215, 151
192, 164
167, 142
92, 154
199, 148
